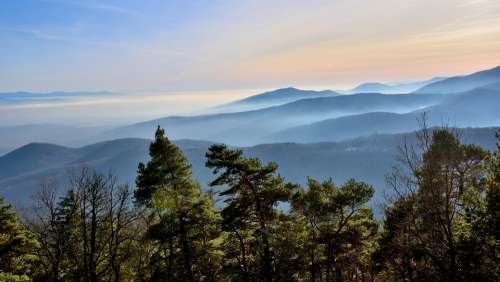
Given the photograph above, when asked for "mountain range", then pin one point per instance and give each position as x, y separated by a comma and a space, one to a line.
464, 83
273, 98
365, 158
253, 127
479, 107
336, 117
318, 134
392, 88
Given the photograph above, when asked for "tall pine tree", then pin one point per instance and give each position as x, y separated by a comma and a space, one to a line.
186, 222
253, 192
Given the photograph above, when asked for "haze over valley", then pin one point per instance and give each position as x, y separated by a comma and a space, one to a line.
327, 131
249, 140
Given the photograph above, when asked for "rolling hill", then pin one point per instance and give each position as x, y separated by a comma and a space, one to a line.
15, 136
464, 83
273, 98
367, 158
392, 88
251, 127
475, 108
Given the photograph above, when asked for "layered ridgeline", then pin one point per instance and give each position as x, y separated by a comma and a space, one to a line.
291, 114
286, 115
368, 159
475, 108
391, 88
332, 117
273, 98
459, 84
15, 136
254, 127
22, 102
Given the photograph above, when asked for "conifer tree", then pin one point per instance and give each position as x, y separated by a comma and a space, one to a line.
253, 192
17, 247
186, 222
56, 226
339, 228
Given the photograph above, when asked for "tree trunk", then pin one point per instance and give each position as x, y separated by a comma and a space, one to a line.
267, 268
246, 277
186, 252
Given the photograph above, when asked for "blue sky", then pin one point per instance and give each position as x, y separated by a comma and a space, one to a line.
153, 45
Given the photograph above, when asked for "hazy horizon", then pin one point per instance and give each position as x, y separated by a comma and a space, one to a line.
113, 110
104, 108
157, 59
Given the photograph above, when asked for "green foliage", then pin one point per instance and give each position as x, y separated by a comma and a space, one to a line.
443, 229
17, 247
253, 192
185, 226
443, 224
339, 228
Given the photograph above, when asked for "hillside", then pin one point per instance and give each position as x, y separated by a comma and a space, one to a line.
463, 83
368, 159
392, 88
15, 136
251, 127
475, 108
273, 98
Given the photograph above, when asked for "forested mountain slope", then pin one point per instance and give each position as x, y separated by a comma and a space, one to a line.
367, 158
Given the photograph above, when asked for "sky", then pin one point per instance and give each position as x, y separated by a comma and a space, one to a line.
161, 45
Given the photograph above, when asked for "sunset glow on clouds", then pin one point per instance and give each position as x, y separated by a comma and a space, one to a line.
136, 46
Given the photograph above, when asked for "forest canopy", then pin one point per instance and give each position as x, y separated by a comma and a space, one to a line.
441, 221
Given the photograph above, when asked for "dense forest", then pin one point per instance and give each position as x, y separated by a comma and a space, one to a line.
441, 222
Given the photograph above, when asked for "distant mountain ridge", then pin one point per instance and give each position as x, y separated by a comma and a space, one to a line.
274, 112
365, 158
476, 108
392, 88
463, 83
274, 98
15, 136
286, 94
249, 127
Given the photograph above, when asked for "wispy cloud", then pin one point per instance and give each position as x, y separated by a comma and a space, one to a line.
174, 44
96, 6
108, 8
467, 3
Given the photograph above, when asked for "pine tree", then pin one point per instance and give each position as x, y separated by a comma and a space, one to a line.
55, 224
186, 222
17, 247
252, 193
339, 228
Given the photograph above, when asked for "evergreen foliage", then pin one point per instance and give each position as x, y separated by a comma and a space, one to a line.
17, 247
441, 224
